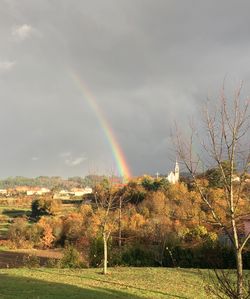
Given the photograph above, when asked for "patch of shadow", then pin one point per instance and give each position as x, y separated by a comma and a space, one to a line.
13, 213
23, 288
72, 201
12, 259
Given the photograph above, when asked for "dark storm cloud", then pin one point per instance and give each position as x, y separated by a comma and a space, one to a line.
148, 64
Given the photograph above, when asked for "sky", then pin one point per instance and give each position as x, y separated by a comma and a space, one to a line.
147, 64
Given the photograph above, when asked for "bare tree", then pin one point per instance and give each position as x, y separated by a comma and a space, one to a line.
224, 137
107, 202
120, 223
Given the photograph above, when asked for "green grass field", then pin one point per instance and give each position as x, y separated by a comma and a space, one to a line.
44, 283
7, 214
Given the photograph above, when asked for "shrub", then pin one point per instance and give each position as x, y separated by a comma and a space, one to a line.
95, 257
116, 257
83, 246
203, 256
33, 234
72, 226
96, 252
45, 206
138, 257
17, 233
86, 210
200, 234
71, 258
46, 237
31, 261
53, 263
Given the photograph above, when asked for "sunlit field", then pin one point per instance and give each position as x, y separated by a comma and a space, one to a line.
90, 283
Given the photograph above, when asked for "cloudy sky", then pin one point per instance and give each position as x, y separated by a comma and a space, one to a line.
148, 63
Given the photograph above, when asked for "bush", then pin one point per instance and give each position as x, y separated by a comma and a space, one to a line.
47, 238
204, 256
71, 258
33, 234
72, 226
138, 257
96, 252
17, 233
116, 257
45, 206
50, 231
52, 263
31, 261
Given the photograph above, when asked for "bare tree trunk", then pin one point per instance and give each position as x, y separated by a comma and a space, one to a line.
105, 253
120, 223
239, 274
238, 257
238, 251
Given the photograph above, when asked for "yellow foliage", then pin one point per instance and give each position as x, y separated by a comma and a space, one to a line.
137, 221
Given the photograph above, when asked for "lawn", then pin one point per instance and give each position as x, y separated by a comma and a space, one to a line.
7, 214
121, 282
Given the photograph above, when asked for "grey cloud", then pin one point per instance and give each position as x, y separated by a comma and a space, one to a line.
35, 158
148, 63
6, 66
22, 32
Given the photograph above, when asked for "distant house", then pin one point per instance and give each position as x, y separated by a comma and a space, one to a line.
80, 191
88, 190
43, 191
63, 192
22, 189
37, 191
30, 192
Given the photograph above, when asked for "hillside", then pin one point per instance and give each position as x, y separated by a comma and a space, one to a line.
54, 182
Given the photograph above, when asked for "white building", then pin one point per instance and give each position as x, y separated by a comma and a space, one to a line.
75, 192
37, 191
174, 176
3, 191
81, 191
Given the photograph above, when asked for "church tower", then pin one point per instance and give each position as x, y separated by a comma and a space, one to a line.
173, 176
177, 171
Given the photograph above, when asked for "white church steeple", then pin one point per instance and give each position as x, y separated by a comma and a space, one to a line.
177, 171
173, 177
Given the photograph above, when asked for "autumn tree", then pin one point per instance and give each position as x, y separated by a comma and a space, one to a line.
131, 194
224, 137
151, 184
47, 237
45, 205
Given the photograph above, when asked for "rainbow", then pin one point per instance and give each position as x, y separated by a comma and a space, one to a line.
118, 154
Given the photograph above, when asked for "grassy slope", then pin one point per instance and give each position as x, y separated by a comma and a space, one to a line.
9, 212
134, 283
